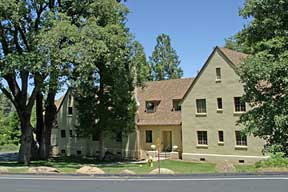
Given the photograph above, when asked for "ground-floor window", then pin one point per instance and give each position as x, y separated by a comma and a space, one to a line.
202, 137
119, 137
148, 136
241, 139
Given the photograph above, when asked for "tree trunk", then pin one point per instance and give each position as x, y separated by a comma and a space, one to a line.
101, 145
50, 117
26, 139
40, 123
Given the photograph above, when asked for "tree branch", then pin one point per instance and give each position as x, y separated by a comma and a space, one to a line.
3, 40
7, 94
23, 35
13, 85
38, 78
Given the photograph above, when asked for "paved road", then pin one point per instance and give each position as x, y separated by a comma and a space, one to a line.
26, 183
8, 156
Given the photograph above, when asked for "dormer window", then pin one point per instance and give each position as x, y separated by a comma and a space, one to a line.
176, 105
150, 106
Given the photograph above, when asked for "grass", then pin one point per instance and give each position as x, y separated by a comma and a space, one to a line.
71, 164
178, 167
9, 148
246, 168
65, 165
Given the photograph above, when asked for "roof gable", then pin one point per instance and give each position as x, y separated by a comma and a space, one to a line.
233, 58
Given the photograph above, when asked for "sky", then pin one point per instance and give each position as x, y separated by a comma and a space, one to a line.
195, 26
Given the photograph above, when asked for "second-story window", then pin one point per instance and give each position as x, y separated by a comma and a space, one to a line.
150, 107
201, 105
218, 73
220, 136
219, 104
239, 106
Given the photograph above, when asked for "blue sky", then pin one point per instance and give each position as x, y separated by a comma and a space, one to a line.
195, 26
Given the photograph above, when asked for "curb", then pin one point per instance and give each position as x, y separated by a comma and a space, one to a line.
153, 175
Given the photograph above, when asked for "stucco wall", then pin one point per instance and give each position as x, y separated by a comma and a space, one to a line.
207, 88
157, 133
87, 147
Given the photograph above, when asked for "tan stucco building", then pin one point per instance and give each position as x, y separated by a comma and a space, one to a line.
64, 137
159, 114
211, 108
197, 115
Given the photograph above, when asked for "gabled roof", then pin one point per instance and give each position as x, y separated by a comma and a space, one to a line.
233, 58
58, 102
164, 91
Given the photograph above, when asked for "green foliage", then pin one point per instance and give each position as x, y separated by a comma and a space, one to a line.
139, 64
265, 72
103, 73
9, 123
164, 61
276, 160
233, 44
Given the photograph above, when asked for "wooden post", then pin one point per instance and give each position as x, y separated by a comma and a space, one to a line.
158, 144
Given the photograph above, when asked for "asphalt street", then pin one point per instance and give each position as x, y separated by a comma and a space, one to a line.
8, 156
247, 183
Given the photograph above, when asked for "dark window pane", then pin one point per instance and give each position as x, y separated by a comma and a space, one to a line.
221, 136
219, 103
63, 133
202, 137
150, 107
241, 139
119, 137
177, 105
148, 136
201, 105
218, 73
239, 106
70, 110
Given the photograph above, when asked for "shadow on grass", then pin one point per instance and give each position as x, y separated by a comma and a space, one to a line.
66, 162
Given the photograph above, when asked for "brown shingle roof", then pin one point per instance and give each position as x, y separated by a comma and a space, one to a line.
234, 56
164, 91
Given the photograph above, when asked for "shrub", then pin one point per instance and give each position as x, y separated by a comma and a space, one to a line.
276, 160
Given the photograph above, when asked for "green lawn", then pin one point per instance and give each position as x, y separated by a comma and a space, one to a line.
246, 168
70, 166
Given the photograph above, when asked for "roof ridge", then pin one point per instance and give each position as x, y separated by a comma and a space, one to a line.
166, 80
233, 50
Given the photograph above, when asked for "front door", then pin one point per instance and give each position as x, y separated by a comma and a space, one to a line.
167, 141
